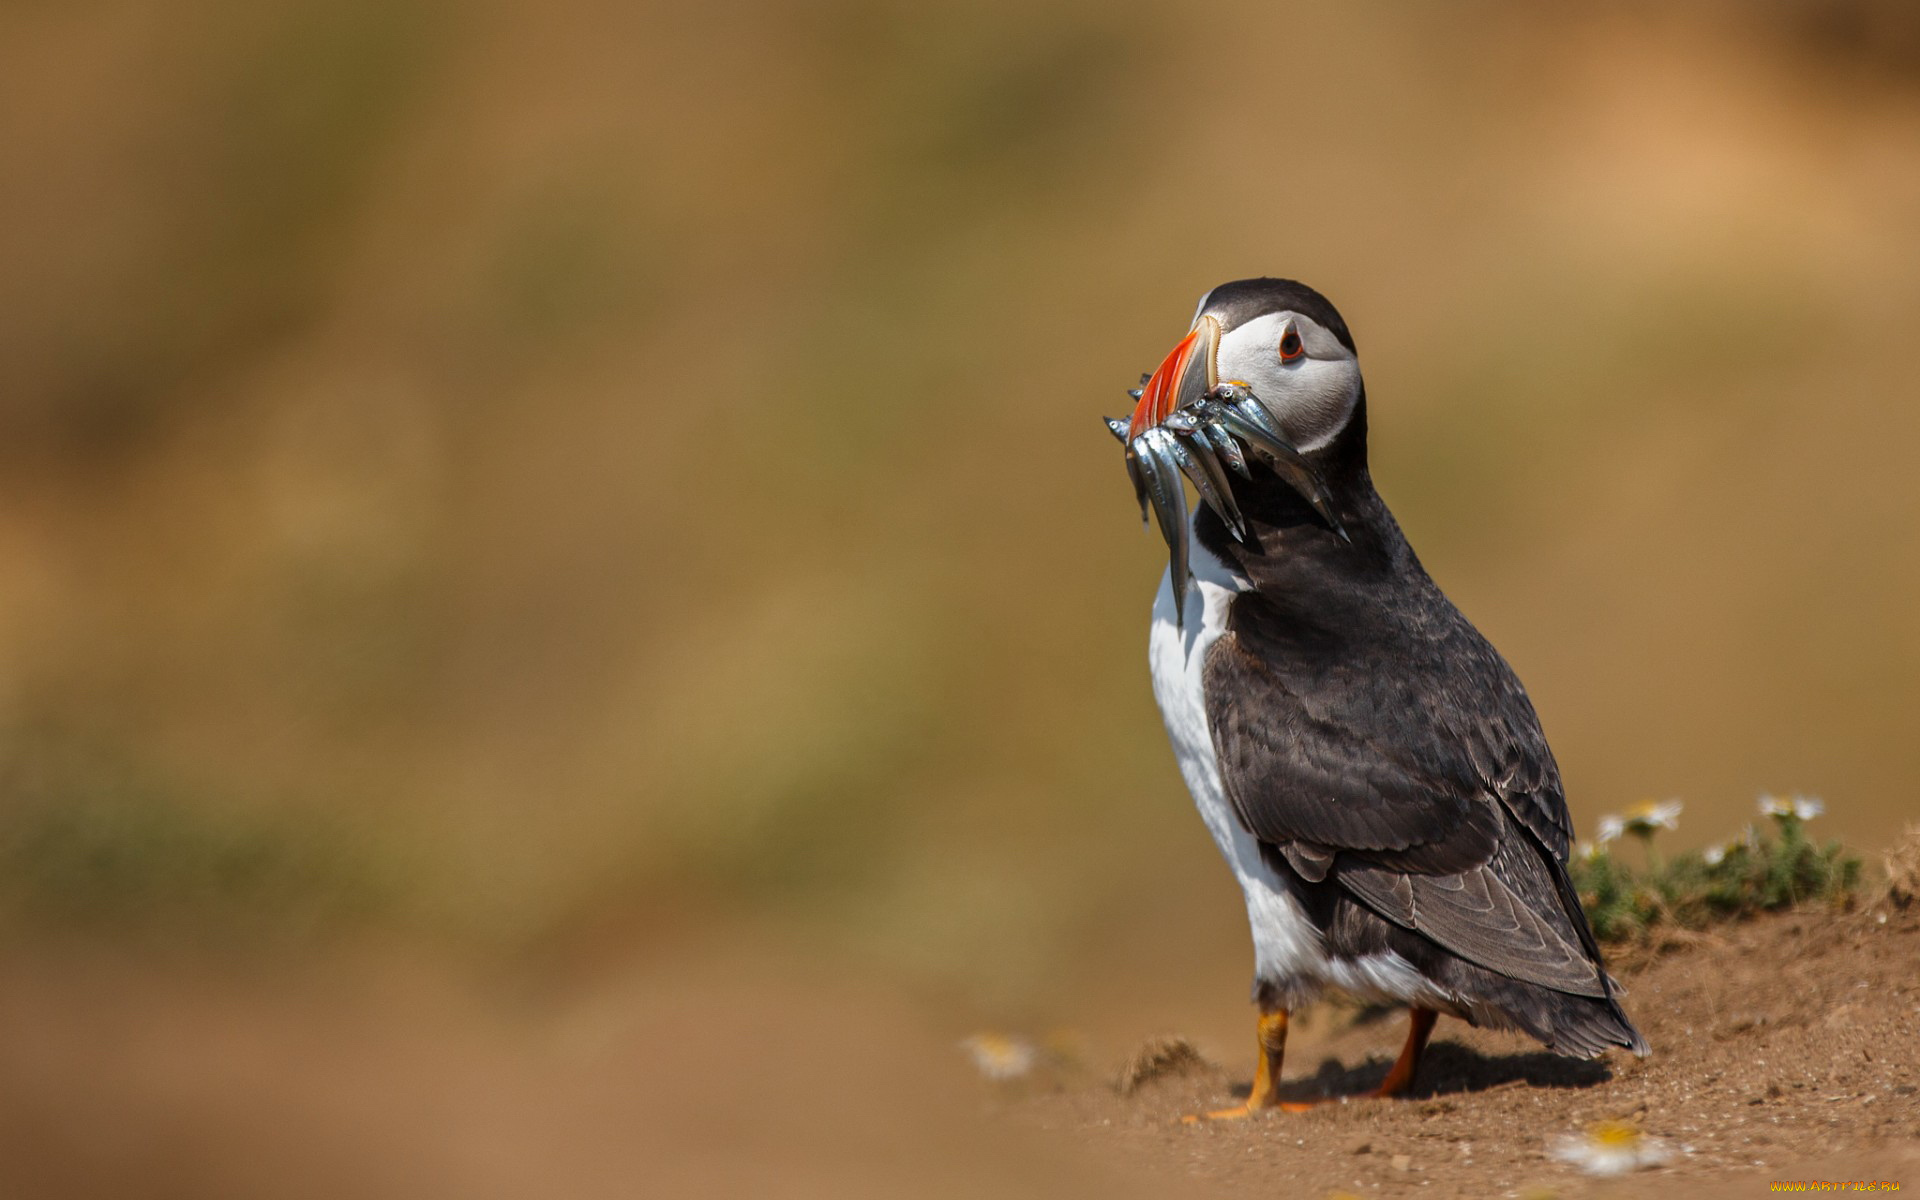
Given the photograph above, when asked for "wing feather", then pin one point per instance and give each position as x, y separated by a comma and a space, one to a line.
1406, 763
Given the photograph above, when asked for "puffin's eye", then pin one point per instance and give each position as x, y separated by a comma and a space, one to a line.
1290, 347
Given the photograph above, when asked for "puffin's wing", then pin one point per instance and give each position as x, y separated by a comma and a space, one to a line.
1407, 749
1420, 782
1508, 916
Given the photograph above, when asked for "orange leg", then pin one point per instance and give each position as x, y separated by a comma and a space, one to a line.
1400, 1078
1270, 1044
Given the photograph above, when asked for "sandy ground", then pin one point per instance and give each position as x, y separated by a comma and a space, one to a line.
1786, 1048
726, 1066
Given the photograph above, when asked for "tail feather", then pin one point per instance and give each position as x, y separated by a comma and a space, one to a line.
1582, 1026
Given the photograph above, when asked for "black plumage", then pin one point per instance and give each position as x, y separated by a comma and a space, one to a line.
1236, 303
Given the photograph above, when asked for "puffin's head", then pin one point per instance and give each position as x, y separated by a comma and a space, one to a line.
1267, 364
1280, 339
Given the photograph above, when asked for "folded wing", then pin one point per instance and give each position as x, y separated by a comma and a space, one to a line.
1411, 770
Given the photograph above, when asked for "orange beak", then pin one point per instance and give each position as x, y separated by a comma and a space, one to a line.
1185, 375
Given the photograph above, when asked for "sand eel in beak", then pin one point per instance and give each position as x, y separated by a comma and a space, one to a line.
1369, 766
1186, 423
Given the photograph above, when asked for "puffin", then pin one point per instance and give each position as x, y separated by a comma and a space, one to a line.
1368, 765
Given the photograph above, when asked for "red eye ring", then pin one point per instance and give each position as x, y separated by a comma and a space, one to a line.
1290, 347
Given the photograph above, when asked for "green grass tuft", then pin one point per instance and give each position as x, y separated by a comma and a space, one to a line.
1751, 874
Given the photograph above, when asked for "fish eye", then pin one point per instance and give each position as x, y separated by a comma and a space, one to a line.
1290, 347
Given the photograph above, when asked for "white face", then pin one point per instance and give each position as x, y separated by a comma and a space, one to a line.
1300, 372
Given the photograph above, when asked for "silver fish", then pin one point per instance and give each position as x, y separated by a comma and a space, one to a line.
1156, 449
1193, 451
1264, 440
1201, 441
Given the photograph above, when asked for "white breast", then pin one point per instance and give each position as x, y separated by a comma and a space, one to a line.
1288, 951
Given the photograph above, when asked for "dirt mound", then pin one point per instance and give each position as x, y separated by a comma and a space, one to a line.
1158, 1059
1785, 1048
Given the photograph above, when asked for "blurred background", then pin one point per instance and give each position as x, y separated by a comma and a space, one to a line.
531, 534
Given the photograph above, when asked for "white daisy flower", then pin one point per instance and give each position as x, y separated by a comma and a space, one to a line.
1589, 851
1804, 808
1001, 1056
1644, 819
1611, 1148
1715, 854
1611, 827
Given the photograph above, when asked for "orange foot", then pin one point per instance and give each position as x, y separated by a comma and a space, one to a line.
1399, 1079
1272, 1041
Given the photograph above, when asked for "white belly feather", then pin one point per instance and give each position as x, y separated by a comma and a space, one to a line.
1288, 950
